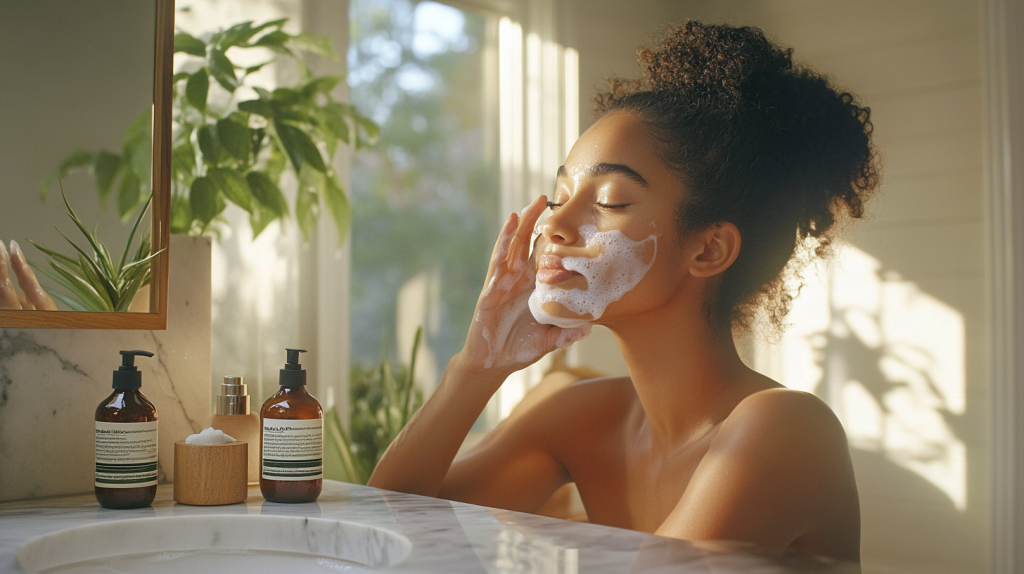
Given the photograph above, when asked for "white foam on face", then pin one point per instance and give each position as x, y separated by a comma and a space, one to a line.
616, 270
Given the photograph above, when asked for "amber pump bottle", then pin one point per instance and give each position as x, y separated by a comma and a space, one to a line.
126, 441
292, 439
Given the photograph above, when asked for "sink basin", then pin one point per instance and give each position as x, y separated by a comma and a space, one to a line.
221, 543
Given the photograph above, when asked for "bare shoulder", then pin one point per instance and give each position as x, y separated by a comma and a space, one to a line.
563, 407
785, 425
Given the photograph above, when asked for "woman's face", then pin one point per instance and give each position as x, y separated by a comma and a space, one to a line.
609, 248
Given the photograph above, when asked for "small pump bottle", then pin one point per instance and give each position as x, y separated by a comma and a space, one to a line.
292, 441
126, 441
234, 418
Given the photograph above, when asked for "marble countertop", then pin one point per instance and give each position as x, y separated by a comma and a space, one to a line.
446, 536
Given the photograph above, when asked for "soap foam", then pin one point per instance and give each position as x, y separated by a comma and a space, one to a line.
210, 436
617, 269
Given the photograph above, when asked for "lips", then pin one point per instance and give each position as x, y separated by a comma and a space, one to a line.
551, 271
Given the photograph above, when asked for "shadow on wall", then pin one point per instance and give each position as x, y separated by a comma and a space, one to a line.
888, 358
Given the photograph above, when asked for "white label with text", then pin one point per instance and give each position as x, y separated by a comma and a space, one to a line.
126, 454
293, 449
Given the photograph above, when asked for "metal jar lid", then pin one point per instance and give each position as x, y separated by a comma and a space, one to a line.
233, 398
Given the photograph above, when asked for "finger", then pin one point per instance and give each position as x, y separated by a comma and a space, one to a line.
504, 238
28, 282
8, 296
559, 338
519, 250
25, 304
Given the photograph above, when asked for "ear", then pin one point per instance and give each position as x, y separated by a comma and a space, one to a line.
719, 247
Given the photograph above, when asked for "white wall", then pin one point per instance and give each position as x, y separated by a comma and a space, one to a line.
73, 75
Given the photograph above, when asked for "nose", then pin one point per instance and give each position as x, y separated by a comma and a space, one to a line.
562, 226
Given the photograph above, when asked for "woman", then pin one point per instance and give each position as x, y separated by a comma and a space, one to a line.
672, 222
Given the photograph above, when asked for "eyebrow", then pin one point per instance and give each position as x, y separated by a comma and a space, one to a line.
601, 169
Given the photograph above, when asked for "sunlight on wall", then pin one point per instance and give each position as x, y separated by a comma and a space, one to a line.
538, 88
888, 358
255, 283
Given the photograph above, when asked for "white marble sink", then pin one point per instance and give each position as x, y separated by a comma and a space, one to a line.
217, 543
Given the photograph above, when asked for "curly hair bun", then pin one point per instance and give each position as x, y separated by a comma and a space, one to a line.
768, 145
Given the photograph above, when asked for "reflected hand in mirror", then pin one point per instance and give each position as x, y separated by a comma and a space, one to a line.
32, 296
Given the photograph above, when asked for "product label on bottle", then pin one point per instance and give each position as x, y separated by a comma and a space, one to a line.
293, 449
126, 454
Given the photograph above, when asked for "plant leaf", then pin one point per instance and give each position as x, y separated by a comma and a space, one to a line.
369, 128
298, 140
234, 35
233, 185
333, 116
202, 200
197, 89
183, 163
82, 289
58, 256
235, 138
410, 383
275, 40
76, 159
259, 218
338, 206
181, 214
223, 70
318, 45
189, 44
78, 223
323, 84
307, 202
258, 107
209, 144
106, 166
290, 140
129, 193
267, 193
131, 236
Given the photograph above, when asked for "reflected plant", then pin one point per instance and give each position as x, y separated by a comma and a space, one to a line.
227, 152
95, 282
382, 401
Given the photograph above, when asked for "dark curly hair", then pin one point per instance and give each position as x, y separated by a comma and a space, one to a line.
772, 147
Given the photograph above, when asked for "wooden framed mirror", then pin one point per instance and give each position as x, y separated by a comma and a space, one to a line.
76, 77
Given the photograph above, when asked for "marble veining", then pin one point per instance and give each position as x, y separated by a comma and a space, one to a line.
444, 536
51, 381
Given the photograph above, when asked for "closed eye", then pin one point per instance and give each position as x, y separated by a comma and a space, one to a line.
613, 205
552, 205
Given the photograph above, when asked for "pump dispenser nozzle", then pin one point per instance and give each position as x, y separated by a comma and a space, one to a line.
293, 375
127, 376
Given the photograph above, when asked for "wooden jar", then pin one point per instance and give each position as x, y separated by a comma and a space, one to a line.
210, 474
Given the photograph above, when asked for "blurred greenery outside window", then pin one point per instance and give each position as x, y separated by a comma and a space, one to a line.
426, 198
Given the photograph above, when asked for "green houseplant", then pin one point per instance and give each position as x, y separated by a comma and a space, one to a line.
96, 281
383, 401
229, 151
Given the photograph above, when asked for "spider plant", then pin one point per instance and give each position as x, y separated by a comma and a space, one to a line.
96, 282
382, 404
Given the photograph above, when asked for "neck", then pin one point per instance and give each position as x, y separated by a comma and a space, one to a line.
687, 380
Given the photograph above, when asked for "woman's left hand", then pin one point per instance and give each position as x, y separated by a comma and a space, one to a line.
34, 296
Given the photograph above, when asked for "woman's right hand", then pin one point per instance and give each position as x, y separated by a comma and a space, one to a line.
504, 335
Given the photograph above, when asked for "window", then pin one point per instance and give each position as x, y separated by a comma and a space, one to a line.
477, 110
426, 197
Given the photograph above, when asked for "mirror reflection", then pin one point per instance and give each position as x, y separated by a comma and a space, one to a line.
75, 114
